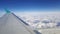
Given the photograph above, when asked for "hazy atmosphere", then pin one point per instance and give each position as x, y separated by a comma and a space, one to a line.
41, 15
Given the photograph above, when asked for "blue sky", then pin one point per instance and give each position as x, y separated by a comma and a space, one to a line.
30, 5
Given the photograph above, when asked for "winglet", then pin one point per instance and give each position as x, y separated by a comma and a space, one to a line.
7, 11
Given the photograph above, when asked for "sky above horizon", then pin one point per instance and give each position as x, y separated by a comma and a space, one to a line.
30, 5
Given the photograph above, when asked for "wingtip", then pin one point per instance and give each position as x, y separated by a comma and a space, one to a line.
7, 11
